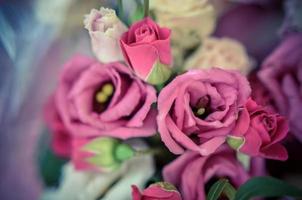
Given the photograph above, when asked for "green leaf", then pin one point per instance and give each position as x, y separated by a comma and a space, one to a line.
49, 164
266, 187
222, 186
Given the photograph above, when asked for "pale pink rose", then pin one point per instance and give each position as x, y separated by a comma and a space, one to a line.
156, 192
105, 30
146, 48
193, 174
88, 109
262, 131
61, 138
198, 109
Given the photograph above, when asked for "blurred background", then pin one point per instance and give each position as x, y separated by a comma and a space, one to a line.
37, 36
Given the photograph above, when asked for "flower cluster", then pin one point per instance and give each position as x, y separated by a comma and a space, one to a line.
204, 111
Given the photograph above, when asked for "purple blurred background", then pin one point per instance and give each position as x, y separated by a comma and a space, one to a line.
36, 37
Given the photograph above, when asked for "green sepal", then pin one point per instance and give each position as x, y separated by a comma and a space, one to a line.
159, 74
124, 152
166, 186
103, 153
235, 142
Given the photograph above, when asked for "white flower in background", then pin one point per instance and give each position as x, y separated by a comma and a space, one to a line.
224, 53
105, 30
190, 20
87, 185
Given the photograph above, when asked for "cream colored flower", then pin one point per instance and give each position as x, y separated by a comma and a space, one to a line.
190, 20
105, 30
224, 53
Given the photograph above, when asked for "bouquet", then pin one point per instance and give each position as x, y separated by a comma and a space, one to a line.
166, 110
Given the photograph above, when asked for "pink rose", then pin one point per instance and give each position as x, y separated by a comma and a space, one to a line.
146, 48
262, 131
259, 93
198, 109
158, 191
95, 99
193, 174
61, 138
281, 74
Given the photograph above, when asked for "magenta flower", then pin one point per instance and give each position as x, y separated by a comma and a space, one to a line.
95, 99
262, 131
157, 191
191, 173
146, 48
198, 109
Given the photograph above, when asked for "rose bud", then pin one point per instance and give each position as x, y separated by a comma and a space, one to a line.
97, 100
259, 131
105, 30
198, 109
157, 191
146, 48
101, 154
193, 174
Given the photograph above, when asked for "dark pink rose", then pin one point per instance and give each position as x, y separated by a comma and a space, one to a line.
158, 191
198, 109
262, 131
193, 174
281, 73
259, 93
95, 99
61, 138
146, 48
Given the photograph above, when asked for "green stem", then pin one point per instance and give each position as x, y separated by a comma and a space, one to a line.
147, 152
120, 9
146, 8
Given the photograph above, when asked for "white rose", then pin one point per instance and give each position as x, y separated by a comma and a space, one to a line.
224, 53
190, 21
105, 30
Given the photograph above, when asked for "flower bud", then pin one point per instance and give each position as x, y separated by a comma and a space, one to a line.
105, 29
102, 153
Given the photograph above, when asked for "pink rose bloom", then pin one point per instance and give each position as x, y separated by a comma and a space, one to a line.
198, 109
156, 192
262, 131
146, 48
193, 175
61, 138
281, 74
95, 99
